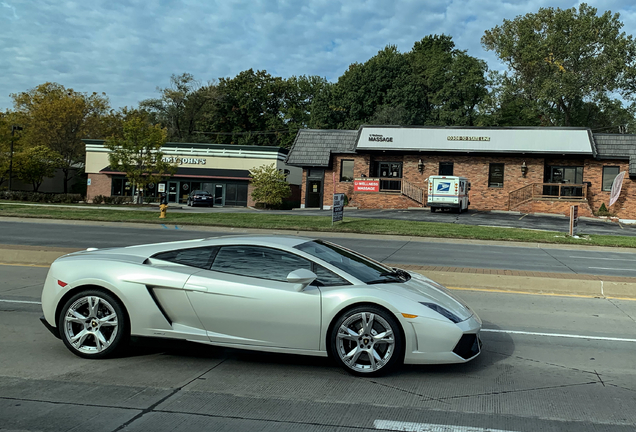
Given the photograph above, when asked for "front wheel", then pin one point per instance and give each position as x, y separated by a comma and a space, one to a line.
93, 324
367, 341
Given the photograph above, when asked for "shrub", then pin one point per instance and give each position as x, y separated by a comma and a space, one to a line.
98, 199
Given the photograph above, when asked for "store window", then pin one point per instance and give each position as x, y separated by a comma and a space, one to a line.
390, 174
609, 174
346, 170
446, 168
496, 175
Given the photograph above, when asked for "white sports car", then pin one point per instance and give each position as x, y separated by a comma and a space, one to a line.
268, 293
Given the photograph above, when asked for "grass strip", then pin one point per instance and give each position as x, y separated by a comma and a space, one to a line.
263, 220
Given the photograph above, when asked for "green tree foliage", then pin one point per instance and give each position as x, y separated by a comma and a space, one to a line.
256, 108
137, 150
433, 84
181, 106
34, 163
270, 186
565, 65
59, 118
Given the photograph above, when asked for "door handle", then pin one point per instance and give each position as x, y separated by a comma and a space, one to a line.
193, 287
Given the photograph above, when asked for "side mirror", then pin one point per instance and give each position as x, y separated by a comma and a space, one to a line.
301, 277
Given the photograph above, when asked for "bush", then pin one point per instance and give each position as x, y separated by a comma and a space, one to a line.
39, 197
603, 211
98, 199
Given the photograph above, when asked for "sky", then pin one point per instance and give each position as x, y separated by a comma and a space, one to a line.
128, 48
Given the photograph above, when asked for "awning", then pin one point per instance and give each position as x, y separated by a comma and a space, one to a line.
201, 173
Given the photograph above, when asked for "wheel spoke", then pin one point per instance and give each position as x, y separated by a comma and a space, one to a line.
79, 339
74, 317
376, 356
367, 325
384, 337
353, 355
348, 334
93, 305
110, 320
372, 361
100, 341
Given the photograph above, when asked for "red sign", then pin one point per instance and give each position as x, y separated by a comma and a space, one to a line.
366, 185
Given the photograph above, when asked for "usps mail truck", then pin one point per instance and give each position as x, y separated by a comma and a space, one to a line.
448, 192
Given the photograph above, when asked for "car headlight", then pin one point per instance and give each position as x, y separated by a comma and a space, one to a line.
442, 311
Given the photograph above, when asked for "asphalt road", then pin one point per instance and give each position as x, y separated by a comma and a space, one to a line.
549, 364
471, 217
415, 251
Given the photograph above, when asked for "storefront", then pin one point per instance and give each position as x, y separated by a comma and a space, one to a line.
222, 170
519, 169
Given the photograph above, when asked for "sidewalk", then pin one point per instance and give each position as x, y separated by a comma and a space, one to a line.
516, 281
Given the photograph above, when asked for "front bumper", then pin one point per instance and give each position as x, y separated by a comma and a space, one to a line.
52, 329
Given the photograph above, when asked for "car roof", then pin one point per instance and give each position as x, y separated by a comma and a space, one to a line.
268, 240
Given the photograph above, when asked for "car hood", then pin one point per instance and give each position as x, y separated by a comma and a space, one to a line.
422, 289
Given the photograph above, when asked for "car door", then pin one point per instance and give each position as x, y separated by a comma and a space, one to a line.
245, 299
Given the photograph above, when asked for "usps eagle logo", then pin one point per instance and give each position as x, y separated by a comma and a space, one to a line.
443, 187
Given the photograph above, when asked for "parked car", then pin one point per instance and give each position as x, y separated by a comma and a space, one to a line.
200, 197
269, 293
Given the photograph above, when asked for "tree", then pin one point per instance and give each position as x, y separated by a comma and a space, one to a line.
59, 118
137, 151
35, 163
433, 84
561, 61
270, 186
181, 106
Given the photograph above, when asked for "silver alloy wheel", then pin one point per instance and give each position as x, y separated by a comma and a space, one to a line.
90, 324
365, 342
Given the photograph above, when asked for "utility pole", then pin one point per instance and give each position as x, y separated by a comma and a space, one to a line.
13, 129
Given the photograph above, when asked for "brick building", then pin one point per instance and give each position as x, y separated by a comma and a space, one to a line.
524, 169
222, 170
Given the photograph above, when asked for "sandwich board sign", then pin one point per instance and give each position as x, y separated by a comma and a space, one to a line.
337, 210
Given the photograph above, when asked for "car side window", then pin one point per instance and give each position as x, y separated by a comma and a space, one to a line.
258, 262
327, 277
201, 257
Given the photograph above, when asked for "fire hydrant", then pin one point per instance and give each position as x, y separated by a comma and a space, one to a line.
163, 206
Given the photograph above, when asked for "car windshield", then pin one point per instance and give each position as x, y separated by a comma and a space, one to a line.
201, 193
358, 266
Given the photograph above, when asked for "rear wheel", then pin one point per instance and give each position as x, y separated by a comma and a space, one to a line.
93, 324
433, 209
367, 341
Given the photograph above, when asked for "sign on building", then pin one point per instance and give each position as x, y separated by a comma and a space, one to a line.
366, 185
337, 210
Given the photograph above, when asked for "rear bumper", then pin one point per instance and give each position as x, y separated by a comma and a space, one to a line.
52, 329
443, 205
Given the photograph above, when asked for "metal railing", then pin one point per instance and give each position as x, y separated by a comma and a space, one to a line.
412, 191
564, 191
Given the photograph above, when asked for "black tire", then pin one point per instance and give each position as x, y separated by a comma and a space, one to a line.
103, 337
433, 209
356, 351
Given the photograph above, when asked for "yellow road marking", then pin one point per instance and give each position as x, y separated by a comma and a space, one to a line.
24, 265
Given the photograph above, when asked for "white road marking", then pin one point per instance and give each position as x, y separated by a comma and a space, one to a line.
20, 301
611, 268
428, 427
571, 336
607, 259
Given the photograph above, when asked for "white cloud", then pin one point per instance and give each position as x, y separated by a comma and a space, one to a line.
127, 48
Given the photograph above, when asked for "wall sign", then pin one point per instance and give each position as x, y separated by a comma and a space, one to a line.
380, 138
366, 185
467, 138
184, 161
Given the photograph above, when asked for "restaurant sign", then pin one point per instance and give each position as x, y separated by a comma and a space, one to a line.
366, 185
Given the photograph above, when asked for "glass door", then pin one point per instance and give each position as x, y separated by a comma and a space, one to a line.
219, 196
172, 192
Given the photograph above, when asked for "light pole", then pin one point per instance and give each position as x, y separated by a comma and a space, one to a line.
13, 129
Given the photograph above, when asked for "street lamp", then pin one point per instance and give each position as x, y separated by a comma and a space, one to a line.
13, 129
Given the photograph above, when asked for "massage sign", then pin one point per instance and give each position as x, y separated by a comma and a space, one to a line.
366, 185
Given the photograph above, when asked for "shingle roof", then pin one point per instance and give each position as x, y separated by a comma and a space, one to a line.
617, 146
313, 147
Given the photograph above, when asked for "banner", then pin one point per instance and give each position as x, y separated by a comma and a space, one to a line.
616, 188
